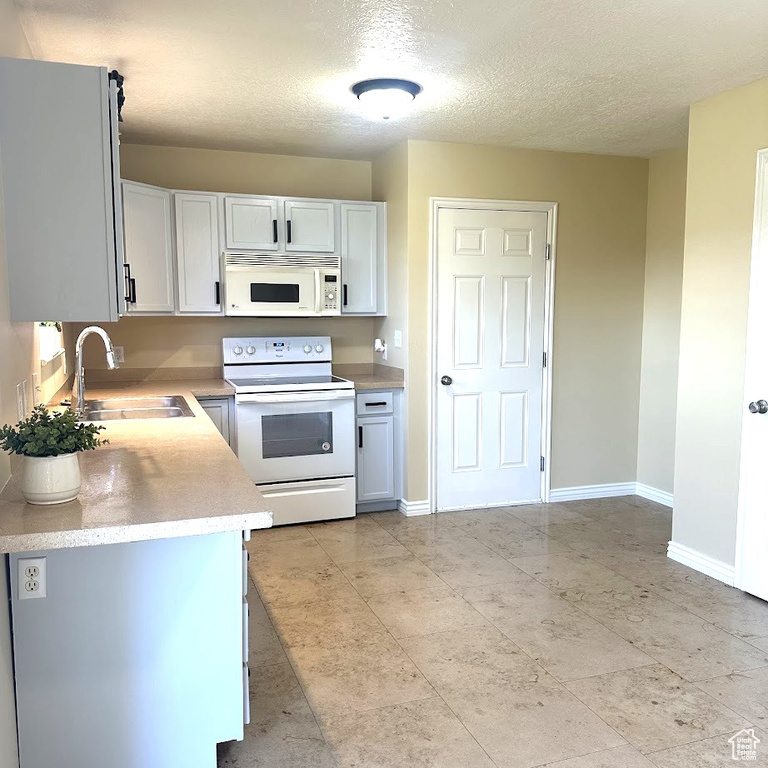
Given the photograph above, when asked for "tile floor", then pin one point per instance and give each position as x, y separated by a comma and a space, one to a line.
555, 635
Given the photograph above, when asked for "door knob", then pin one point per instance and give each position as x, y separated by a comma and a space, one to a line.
761, 406
446, 380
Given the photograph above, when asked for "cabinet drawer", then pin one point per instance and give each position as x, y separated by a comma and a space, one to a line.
372, 403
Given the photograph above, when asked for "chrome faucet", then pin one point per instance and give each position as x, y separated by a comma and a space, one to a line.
78, 390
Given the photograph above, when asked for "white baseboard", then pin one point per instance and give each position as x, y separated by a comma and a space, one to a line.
413, 508
592, 491
609, 490
654, 494
717, 569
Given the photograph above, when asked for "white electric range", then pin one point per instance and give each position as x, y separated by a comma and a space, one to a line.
295, 425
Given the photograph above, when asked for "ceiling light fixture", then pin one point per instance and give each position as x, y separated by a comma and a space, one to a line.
386, 97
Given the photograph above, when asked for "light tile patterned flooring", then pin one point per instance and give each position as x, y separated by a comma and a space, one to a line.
553, 634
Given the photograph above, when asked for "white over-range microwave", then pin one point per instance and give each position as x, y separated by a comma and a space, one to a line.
268, 285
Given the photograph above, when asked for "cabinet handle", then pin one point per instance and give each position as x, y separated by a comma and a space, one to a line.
288, 226
359, 437
274, 230
375, 405
218, 292
127, 281
344, 292
132, 282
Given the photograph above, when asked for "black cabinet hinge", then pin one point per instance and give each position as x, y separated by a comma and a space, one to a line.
541, 464
545, 359
549, 251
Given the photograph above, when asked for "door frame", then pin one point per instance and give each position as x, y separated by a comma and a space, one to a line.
513, 206
759, 256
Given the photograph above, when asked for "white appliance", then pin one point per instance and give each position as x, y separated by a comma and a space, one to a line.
295, 425
295, 285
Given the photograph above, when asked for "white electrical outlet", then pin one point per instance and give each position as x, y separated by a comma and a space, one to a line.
398, 339
120, 354
32, 578
20, 401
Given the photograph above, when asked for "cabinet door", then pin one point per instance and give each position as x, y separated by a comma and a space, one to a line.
375, 458
251, 223
58, 170
309, 226
197, 253
359, 253
218, 412
148, 247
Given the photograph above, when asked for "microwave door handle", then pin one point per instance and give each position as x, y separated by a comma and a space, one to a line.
276, 398
318, 297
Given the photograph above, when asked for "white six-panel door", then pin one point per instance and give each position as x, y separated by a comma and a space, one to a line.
490, 336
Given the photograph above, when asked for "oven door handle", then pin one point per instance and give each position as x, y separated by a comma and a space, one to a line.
279, 398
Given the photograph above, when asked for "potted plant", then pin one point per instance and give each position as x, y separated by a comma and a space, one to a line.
49, 443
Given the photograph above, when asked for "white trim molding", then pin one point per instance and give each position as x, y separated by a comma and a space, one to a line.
705, 564
592, 491
609, 490
655, 494
414, 508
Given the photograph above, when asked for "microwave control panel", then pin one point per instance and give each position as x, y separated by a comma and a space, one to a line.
329, 285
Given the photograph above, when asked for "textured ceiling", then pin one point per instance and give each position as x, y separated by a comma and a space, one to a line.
606, 76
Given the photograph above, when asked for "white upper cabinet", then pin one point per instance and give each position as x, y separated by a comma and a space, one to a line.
148, 248
198, 253
309, 226
251, 223
359, 249
60, 177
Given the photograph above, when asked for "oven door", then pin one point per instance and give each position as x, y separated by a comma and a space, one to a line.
264, 292
296, 435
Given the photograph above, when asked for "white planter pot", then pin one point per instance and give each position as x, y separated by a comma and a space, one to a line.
50, 479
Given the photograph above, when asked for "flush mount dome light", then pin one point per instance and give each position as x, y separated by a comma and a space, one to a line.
386, 97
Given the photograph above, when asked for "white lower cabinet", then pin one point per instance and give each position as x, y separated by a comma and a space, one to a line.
220, 411
377, 450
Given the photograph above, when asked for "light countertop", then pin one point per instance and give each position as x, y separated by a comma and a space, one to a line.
371, 375
159, 478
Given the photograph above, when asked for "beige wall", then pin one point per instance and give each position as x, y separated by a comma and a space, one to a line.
16, 359
599, 295
724, 135
246, 172
390, 183
665, 233
162, 342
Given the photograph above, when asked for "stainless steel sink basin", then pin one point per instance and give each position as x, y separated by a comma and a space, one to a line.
171, 407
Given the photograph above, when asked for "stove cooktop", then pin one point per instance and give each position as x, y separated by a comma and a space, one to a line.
289, 383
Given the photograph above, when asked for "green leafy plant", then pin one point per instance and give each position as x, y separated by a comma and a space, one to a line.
51, 324
46, 433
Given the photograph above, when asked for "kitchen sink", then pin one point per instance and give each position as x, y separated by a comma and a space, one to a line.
117, 409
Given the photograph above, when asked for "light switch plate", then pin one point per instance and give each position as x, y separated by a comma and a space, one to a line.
398, 339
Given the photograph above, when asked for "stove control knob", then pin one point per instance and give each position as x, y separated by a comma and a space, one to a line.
319, 348
307, 349
250, 350
237, 350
